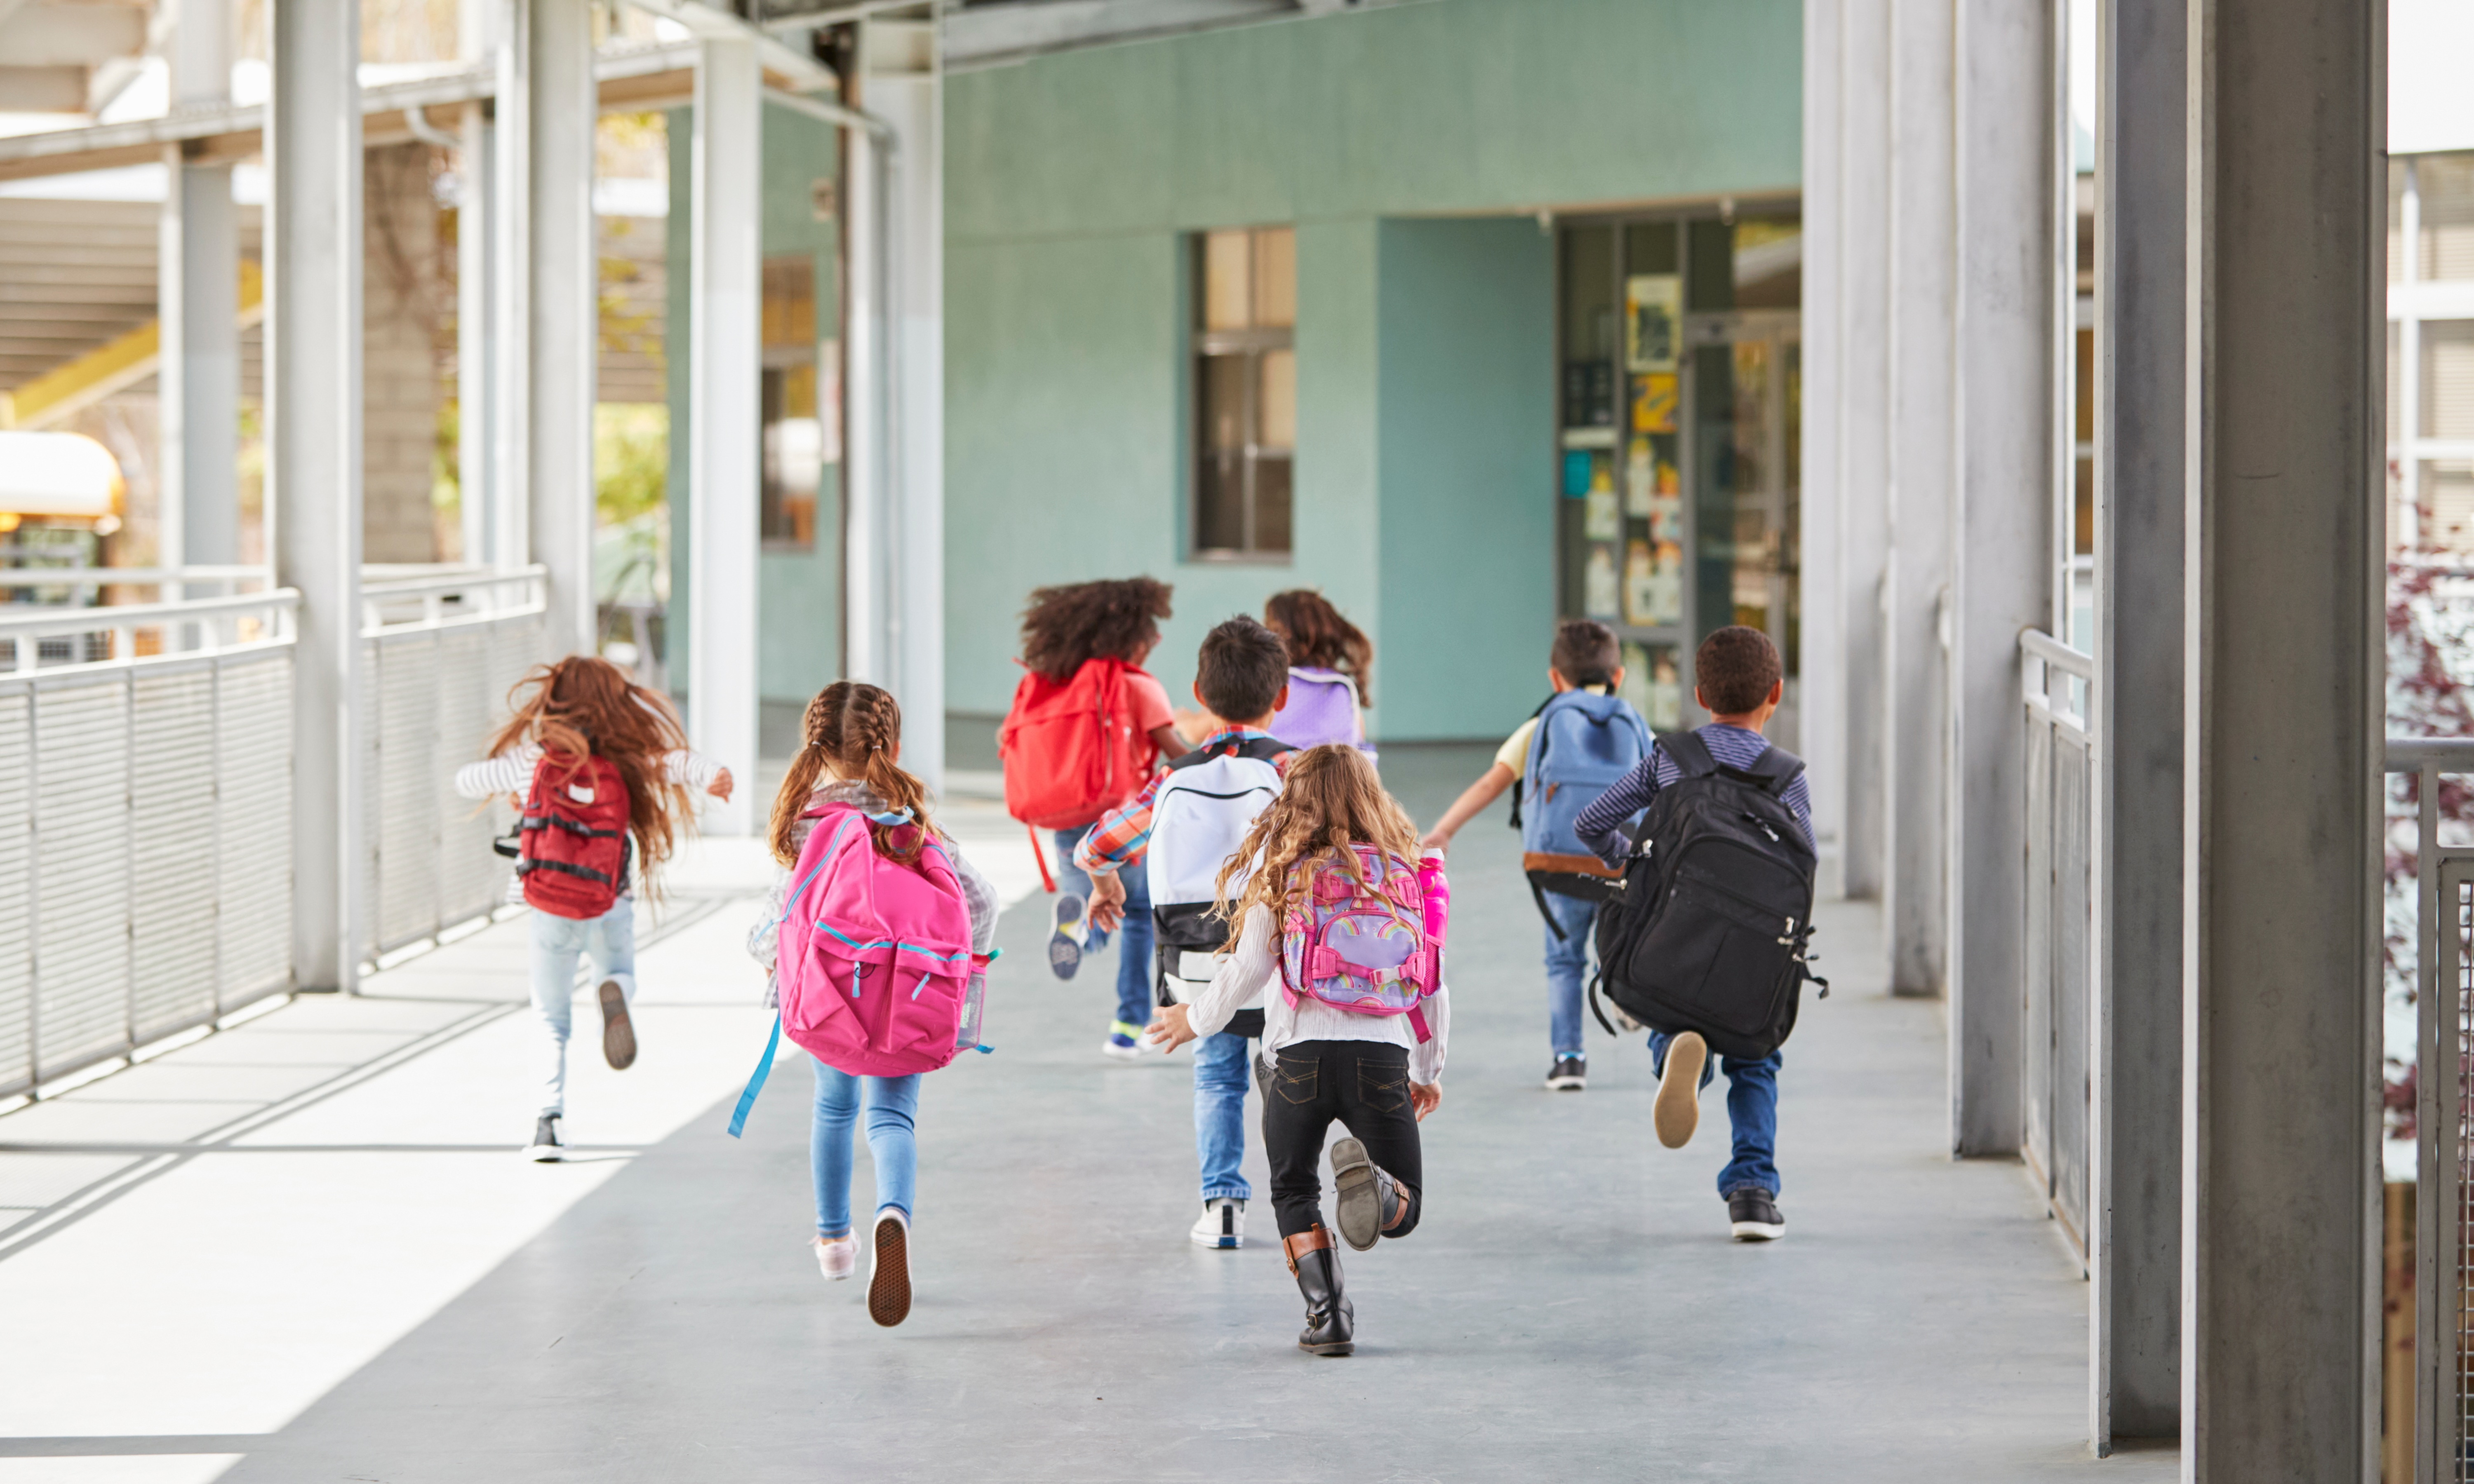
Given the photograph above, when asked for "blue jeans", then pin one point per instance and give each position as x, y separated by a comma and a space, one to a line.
1752, 1112
1134, 967
1567, 967
1219, 1076
892, 1143
610, 942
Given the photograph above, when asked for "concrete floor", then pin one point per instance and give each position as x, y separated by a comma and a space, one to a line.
302, 1249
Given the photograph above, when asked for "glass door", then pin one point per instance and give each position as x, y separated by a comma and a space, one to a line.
1678, 472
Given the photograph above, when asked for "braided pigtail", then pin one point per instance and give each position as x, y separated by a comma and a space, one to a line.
818, 738
871, 742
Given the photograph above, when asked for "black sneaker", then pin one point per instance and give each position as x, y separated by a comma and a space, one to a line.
1571, 1075
546, 1149
1755, 1216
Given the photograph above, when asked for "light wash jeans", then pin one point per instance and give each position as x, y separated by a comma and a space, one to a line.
1135, 969
1567, 970
892, 1142
609, 941
1220, 1071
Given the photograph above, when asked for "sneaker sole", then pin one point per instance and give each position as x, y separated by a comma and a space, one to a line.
1344, 1348
1133, 1053
1677, 1113
1064, 954
1567, 1084
618, 1032
1215, 1242
1360, 1207
545, 1155
889, 1281
1758, 1231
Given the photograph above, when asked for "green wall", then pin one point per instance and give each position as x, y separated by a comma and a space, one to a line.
798, 616
1412, 147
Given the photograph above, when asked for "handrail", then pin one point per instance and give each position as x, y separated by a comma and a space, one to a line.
2037, 645
457, 581
41, 623
2436, 754
127, 576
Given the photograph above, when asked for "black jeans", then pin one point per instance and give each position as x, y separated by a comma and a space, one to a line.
1365, 1085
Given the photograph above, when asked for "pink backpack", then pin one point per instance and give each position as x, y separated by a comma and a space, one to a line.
1375, 949
873, 965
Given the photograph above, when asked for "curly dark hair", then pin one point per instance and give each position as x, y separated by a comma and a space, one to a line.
1072, 622
1318, 636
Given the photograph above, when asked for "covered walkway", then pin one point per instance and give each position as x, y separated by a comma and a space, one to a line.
306, 1249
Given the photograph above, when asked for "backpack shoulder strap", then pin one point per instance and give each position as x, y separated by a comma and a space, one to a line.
1775, 769
1688, 753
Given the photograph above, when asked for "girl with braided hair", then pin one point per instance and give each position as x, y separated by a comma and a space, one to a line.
850, 753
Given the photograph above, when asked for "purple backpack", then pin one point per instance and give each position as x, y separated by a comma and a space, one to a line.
1373, 947
1323, 707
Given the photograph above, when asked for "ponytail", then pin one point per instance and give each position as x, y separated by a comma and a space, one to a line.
853, 729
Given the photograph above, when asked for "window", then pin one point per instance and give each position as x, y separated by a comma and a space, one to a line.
1246, 393
794, 434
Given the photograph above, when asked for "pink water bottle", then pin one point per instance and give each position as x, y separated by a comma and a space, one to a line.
1437, 892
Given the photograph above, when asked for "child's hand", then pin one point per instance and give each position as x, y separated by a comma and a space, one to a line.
1172, 1027
1436, 839
1107, 902
1424, 1098
721, 785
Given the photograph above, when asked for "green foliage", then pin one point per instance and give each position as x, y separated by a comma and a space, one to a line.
631, 455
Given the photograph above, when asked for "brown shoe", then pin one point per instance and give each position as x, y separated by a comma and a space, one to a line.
618, 1032
888, 1274
1677, 1113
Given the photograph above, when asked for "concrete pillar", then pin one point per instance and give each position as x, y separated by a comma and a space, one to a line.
313, 373
1821, 665
1861, 407
2282, 701
903, 87
1922, 310
198, 267
2135, 1100
724, 416
563, 308
2005, 98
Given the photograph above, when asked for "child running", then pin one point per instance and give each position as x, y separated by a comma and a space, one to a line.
1176, 835
1084, 645
849, 765
602, 775
1336, 905
1329, 661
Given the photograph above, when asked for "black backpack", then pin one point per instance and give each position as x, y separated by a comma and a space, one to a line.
1710, 930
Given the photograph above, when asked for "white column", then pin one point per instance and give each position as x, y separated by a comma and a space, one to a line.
560, 301
725, 417
313, 374
477, 28
1923, 242
2282, 696
1863, 410
870, 455
916, 516
2135, 1058
1822, 664
2004, 99
509, 346
198, 267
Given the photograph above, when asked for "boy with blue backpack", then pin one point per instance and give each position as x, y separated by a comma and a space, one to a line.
1579, 743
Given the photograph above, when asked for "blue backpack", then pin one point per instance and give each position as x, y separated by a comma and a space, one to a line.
1582, 744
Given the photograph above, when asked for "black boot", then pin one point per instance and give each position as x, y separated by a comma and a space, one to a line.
1330, 1320
1372, 1203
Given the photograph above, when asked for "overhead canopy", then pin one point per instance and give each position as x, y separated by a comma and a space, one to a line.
57, 474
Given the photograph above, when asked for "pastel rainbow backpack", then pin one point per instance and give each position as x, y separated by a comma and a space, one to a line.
1372, 947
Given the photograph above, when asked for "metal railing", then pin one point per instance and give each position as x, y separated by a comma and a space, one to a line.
440, 650
2059, 691
2445, 1118
145, 824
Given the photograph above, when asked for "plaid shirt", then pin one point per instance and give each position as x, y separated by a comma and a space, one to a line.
1125, 832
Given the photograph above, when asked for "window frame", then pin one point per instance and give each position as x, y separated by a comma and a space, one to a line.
1249, 348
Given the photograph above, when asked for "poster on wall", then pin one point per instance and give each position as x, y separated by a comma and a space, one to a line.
1653, 320
1653, 403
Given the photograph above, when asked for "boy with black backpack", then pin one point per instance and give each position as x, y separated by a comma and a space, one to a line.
1176, 834
1704, 945
1571, 751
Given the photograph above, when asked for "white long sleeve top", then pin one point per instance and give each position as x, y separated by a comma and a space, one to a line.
1245, 974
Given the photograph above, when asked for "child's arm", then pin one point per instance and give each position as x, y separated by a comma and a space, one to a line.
688, 768
1488, 788
1600, 826
509, 773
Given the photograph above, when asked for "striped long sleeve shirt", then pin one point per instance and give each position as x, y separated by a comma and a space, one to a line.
1600, 826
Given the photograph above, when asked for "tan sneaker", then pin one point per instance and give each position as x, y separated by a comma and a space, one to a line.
889, 1276
618, 1032
1677, 1113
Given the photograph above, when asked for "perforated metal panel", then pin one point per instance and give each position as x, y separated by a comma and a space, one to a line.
253, 814
404, 780
16, 922
172, 853
82, 1008
470, 696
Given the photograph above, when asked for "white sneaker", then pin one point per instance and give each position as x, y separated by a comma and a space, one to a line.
1222, 1224
839, 1257
889, 1276
1124, 1042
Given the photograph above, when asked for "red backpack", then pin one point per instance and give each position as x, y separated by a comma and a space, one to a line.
1070, 752
573, 858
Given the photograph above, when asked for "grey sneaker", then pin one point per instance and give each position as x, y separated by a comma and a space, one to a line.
546, 1149
1066, 932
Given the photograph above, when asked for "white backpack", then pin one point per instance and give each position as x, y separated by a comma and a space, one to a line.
1199, 818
